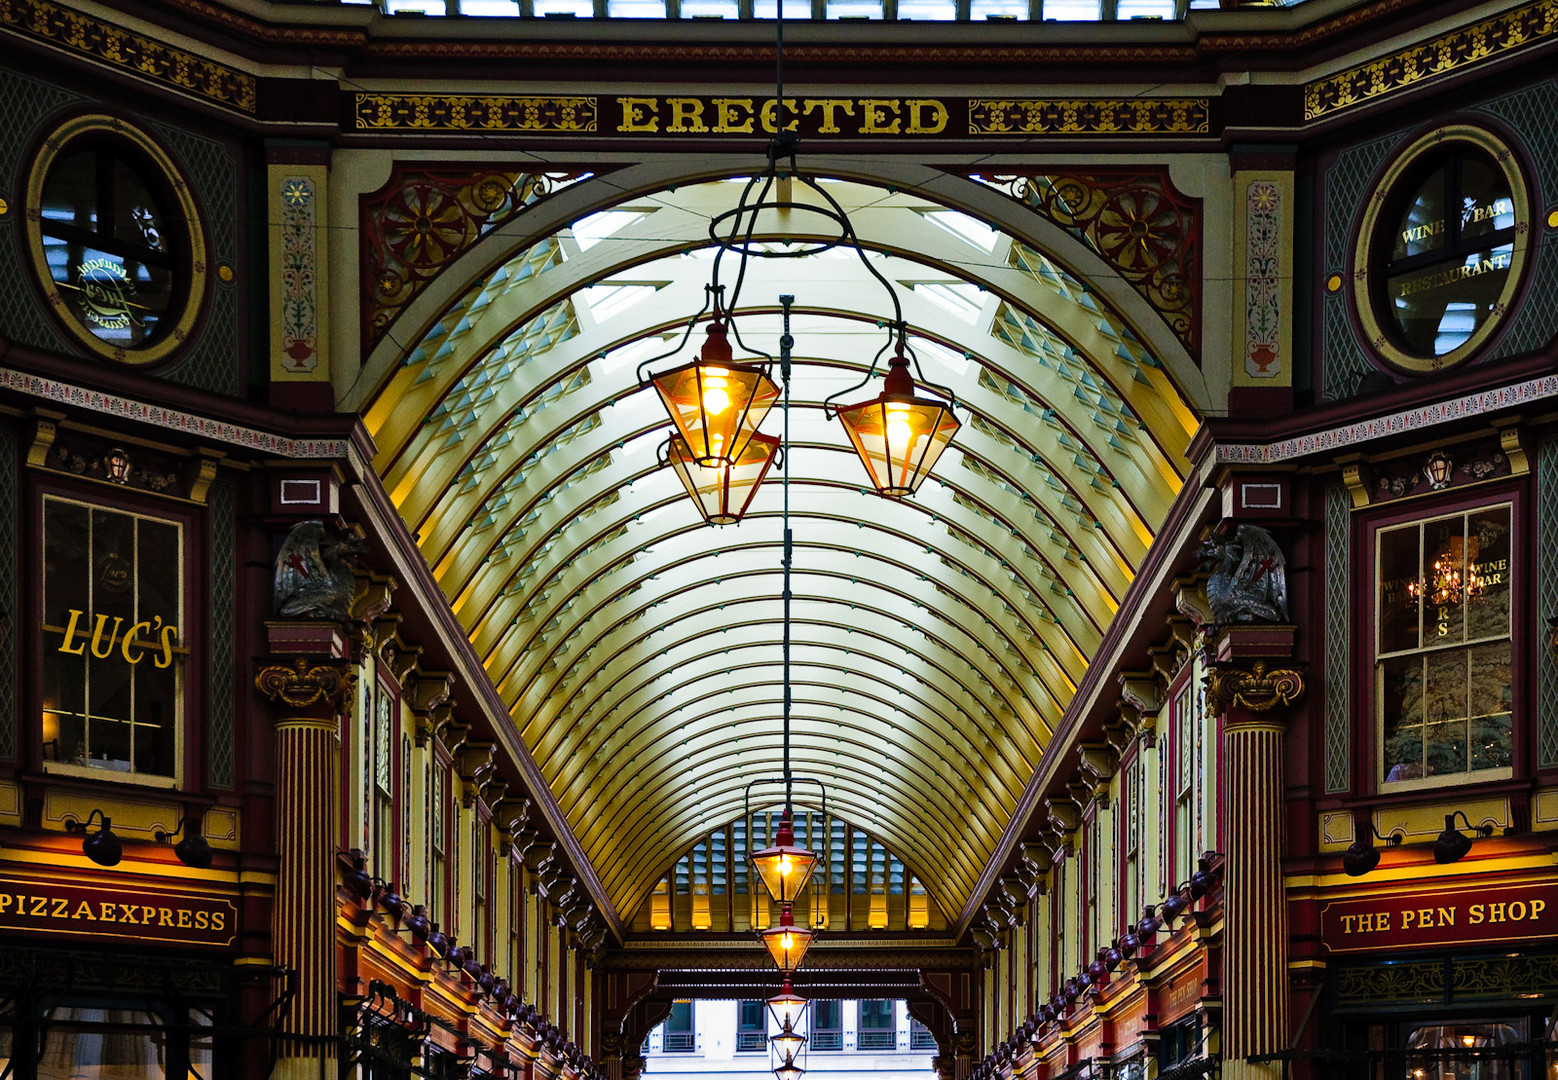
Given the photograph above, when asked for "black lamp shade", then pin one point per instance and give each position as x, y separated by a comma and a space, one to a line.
1361, 855
1452, 844
103, 847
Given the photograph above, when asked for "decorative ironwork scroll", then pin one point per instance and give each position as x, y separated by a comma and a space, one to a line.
423, 219
1143, 227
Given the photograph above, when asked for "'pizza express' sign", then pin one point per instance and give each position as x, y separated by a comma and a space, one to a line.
1465, 916
172, 918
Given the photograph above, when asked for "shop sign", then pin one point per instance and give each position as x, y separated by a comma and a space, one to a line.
144, 915
1471, 915
1181, 996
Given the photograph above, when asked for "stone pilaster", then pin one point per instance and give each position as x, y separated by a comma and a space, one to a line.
306, 688
1252, 700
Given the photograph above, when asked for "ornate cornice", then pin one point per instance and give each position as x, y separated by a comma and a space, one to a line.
1255, 688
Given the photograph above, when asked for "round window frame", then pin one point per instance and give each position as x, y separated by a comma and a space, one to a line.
181, 316
1387, 197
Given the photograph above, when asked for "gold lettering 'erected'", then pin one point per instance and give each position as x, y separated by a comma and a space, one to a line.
82, 631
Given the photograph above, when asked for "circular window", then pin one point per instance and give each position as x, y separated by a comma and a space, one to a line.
115, 239
1441, 249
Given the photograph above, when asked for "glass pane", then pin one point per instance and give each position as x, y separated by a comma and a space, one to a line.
708, 9
1071, 10
1421, 227
1401, 711
680, 1018
1439, 306
1490, 706
928, 10
65, 580
793, 9
876, 1013
854, 9
1486, 205
636, 9
1488, 573
1144, 9
489, 7
1399, 592
1444, 707
1456, 1051
137, 219
1444, 581
986, 9
113, 566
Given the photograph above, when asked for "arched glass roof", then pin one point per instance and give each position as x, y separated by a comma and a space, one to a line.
905, 10
937, 640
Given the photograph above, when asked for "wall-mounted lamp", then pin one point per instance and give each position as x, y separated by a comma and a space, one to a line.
102, 847
193, 851
117, 465
1362, 856
1453, 844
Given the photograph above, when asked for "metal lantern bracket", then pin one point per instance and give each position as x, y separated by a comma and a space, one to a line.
710, 292
900, 335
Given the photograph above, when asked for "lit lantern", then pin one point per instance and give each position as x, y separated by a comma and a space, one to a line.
789, 1072
899, 435
786, 867
787, 1007
716, 403
723, 492
787, 1044
787, 943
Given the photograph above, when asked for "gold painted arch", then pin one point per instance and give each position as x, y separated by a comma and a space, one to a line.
937, 640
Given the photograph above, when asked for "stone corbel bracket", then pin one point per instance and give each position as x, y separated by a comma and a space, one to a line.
424, 692
1256, 688
472, 761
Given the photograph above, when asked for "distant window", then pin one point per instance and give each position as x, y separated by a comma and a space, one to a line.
679, 1037
920, 1037
1443, 248
751, 1026
827, 1026
116, 240
877, 1028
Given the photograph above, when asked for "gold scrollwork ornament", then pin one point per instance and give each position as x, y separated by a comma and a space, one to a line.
1254, 688
300, 685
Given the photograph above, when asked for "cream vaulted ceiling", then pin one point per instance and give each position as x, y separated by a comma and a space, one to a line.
938, 639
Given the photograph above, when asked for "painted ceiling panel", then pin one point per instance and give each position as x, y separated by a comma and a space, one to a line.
936, 640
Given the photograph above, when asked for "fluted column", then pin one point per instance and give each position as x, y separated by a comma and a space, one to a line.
305, 693
1255, 934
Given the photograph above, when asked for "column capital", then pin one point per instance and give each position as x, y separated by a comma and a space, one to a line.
303, 682
1256, 688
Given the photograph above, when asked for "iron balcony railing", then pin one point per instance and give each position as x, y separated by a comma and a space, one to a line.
876, 1040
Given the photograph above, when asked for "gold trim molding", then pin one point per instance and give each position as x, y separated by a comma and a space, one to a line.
140, 56
300, 685
1413, 66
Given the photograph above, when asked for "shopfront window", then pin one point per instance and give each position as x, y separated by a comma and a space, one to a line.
126, 1044
1443, 653
113, 648
1472, 1051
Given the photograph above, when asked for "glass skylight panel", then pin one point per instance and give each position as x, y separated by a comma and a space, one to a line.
589, 231
634, 352
960, 298
970, 230
1072, 10
979, 10
415, 7
1143, 9
612, 298
636, 9
928, 10
935, 350
854, 9
709, 9
793, 9
581, 8
489, 8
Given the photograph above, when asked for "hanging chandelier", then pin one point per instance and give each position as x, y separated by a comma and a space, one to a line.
717, 403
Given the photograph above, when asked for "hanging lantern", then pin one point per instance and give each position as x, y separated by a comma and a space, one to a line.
787, 1044
723, 492
786, 866
787, 943
715, 403
787, 1007
899, 435
789, 1072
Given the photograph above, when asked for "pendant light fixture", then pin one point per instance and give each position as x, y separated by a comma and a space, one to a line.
715, 403
722, 492
786, 942
784, 866
900, 433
